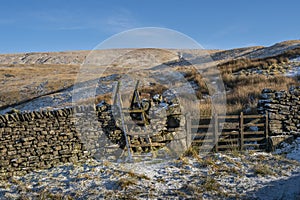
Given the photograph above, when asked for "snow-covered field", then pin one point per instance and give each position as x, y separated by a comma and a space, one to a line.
230, 175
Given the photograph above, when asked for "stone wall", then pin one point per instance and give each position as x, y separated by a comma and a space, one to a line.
43, 139
284, 110
162, 129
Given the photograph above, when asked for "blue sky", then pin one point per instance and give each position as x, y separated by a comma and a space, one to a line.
60, 25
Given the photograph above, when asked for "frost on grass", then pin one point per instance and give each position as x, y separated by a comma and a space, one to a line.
214, 176
291, 151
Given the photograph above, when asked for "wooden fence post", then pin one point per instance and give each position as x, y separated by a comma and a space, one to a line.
242, 131
216, 130
267, 131
267, 125
188, 124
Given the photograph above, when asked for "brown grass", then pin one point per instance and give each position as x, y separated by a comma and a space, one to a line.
246, 90
263, 170
124, 183
245, 63
192, 74
291, 53
21, 82
104, 97
154, 89
137, 176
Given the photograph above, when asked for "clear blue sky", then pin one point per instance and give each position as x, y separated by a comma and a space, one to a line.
59, 25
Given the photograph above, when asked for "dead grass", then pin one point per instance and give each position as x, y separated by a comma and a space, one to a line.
24, 81
195, 190
191, 74
263, 170
246, 90
46, 195
124, 183
154, 89
291, 53
245, 63
21, 82
211, 184
105, 97
138, 176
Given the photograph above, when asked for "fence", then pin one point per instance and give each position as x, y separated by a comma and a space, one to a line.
238, 132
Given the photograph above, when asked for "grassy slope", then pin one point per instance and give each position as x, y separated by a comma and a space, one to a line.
26, 76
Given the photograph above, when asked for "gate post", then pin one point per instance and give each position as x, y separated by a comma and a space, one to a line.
267, 131
216, 130
242, 131
188, 124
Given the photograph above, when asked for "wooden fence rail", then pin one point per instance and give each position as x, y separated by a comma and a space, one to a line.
238, 132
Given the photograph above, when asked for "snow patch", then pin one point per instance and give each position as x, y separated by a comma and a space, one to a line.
292, 150
293, 72
297, 59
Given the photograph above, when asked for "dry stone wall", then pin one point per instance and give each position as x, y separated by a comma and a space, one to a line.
161, 130
43, 139
284, 110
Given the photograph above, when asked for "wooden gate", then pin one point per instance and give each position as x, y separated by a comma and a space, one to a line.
235, 132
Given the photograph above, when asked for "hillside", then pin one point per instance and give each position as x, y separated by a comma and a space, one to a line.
32, 81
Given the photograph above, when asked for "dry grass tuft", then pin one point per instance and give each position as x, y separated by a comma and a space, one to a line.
46, 195
211, 184
138, 176
124, 183
263, 170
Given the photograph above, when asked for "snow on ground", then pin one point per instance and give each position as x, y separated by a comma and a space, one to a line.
80, 91
292, 151
228, 175
297, 59
293, 72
